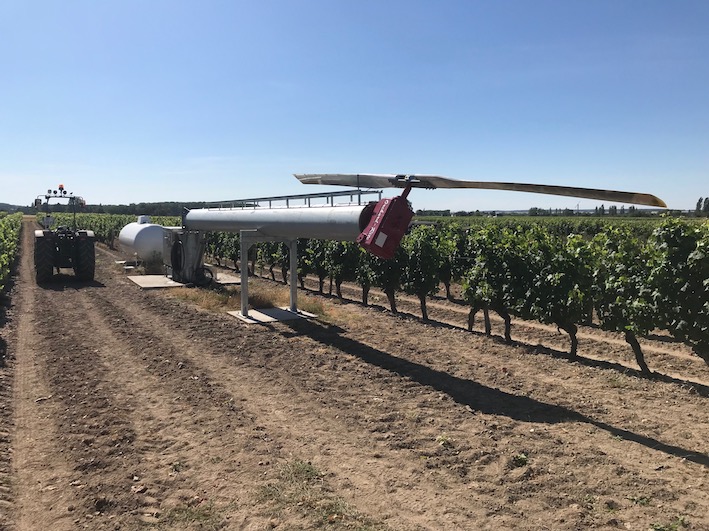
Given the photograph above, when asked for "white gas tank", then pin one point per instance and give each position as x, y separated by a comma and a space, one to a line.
142, 238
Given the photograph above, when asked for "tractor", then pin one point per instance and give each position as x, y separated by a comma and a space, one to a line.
63, 247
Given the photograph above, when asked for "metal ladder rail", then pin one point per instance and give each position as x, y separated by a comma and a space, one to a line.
291, 200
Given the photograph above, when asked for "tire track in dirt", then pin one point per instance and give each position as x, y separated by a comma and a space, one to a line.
6, 494
384, 426
195, 447
108, 440
94, 426
407, 406
7, 365
5, 447
400, 422
322, 433
40, 472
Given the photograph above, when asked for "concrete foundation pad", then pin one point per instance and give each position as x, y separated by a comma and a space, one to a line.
161, 281
154, 281
226, 278
272, 315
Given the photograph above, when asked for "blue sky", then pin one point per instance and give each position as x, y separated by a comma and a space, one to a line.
133, 100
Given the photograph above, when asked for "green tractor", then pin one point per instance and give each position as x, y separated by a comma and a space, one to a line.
63, 247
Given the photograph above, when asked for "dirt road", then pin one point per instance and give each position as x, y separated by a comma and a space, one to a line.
129, 409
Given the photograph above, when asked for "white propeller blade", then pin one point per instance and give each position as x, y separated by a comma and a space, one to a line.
379, 180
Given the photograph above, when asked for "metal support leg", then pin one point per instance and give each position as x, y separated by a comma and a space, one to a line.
245, 243
293, 248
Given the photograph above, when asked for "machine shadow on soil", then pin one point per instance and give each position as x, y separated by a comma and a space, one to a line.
478, 397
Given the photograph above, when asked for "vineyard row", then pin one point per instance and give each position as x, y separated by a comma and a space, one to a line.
632, 278
9, 241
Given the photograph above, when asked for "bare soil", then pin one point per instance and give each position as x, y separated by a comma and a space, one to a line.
130, 409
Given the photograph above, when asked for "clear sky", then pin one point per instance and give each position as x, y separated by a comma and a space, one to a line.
126, 101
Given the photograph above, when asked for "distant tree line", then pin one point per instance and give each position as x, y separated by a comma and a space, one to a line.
138, 209
702, 209
613, 210
171, 208
421, 212
4, 207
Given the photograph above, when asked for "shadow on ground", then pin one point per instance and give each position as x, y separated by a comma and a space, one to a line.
479, 397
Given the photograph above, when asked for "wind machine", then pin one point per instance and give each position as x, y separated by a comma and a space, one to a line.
378, 226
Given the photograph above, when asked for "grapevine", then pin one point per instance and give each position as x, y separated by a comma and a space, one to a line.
637, 275
9, 242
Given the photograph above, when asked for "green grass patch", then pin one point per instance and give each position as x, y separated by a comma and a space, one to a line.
261, 295
301, 488
675, 525
203, 516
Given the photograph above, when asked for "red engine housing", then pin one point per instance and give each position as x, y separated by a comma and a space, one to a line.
387, 226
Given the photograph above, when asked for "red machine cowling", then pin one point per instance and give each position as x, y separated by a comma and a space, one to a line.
387, 226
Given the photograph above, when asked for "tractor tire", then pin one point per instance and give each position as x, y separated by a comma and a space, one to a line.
43, 259
85, 260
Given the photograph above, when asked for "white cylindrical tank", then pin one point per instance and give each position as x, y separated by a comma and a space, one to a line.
143, 239
319, 222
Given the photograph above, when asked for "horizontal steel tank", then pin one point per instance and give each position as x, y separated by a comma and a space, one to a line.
142, 238
342, 223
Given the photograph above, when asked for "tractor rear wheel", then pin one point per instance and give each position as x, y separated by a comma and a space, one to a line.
43, 259
85, 260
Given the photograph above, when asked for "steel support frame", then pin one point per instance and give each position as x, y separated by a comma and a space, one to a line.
247, 238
